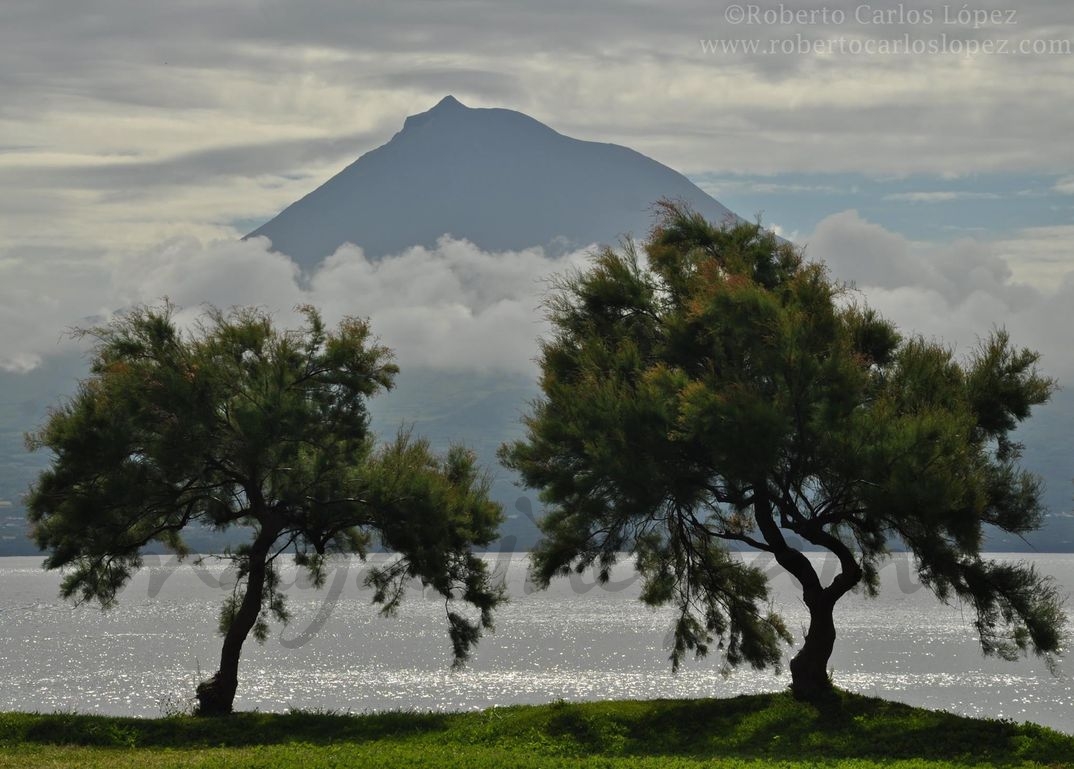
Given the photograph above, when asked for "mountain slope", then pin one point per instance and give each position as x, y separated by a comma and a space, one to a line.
492, 176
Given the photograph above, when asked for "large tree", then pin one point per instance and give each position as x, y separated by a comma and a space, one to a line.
238, 424
727, 392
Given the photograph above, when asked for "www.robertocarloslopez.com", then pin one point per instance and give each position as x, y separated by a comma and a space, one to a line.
961, 30
900, 45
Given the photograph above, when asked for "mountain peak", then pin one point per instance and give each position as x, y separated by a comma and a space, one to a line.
446, 107
448, 102
493, 176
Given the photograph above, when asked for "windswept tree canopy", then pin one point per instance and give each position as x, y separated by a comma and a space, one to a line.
237, 423
725, 391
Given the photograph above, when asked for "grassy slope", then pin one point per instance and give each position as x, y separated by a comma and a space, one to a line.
750, 731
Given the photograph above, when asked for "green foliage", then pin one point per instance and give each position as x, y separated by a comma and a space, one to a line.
724, 391
238, 424
752, 731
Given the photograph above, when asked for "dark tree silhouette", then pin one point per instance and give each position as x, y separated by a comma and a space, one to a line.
239, 424
729, 392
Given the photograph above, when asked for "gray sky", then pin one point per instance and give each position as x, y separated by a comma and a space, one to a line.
135, 135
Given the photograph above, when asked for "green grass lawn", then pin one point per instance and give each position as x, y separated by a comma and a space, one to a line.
751, 731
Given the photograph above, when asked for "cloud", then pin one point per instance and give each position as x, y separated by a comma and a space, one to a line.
222, 273
862, 252
1065, 185
940, 196
956, 291
450, 307
42, 296
717, 186
867, 254
1040, 255
199, 167
455, 306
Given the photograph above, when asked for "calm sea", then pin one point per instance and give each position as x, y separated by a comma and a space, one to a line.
576, 641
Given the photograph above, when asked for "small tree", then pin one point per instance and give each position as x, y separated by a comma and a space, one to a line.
731, 393
238, 424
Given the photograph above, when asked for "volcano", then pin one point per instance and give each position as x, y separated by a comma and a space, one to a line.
495, 177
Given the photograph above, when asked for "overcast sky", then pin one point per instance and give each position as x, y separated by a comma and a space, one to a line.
924, 152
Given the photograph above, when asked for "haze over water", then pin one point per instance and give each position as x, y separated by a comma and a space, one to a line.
576, 641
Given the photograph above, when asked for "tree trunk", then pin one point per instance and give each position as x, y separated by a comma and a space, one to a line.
809, 668
216, 696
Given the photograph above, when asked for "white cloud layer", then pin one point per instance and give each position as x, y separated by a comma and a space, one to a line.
457, 306
956, 292
451, 307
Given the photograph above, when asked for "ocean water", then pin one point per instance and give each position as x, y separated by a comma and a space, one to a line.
576, 641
